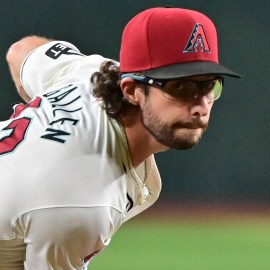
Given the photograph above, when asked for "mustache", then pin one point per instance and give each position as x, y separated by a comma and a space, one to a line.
193, 124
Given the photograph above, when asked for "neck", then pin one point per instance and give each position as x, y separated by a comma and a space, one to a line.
141, 143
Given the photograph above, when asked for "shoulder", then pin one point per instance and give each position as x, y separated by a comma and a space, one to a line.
54, 61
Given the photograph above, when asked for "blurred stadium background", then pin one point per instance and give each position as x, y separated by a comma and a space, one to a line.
224, 178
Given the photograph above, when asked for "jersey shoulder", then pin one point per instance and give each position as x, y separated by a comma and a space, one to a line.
51, 62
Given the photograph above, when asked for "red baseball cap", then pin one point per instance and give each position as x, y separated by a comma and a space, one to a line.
169, 43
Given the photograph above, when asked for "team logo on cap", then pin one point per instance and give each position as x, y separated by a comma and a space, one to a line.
197, 40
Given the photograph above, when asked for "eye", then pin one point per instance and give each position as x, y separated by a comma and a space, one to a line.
209, 85
178, 85
175, 85
175, 88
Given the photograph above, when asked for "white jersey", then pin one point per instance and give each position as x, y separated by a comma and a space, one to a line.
66, 180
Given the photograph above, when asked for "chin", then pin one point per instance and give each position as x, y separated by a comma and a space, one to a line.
187, 140
180, 143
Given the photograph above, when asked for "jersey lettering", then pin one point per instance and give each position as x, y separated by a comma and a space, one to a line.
130, 203
35, 103
58, 95
62, 110
63, 101
54, 135
13, 135
62, 120
61, 95
59, 49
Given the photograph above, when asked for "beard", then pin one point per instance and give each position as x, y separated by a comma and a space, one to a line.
177, 135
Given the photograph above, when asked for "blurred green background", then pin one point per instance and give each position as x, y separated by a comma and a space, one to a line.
189, 244
228, 169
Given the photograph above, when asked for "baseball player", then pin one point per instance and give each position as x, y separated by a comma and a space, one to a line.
76, 160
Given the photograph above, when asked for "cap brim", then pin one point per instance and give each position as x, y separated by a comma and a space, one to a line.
189, 69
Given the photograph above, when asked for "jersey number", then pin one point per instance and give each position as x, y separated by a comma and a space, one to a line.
12, 135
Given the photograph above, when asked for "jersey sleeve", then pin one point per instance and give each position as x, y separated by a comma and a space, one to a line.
46, 63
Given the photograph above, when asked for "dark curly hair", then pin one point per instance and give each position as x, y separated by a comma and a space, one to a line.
106, 85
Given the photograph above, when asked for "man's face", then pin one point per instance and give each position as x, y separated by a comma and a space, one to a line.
176, 123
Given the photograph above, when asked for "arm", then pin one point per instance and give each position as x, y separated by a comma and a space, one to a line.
15, 58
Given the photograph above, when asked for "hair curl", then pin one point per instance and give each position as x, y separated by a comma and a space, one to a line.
106, 85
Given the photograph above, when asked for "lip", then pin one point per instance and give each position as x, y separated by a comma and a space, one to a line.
191, 126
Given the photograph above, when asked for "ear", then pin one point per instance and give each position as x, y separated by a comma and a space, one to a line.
131, 91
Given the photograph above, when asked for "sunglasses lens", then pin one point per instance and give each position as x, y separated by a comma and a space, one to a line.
187, 90
184, 89
217, 90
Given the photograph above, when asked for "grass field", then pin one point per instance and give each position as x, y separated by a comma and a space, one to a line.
208, 243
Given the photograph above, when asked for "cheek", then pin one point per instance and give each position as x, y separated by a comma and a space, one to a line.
210, 109
156, 109
165, 109
158, 103
168, 111
211, 106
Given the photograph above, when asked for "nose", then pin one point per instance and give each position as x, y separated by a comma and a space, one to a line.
200, 106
